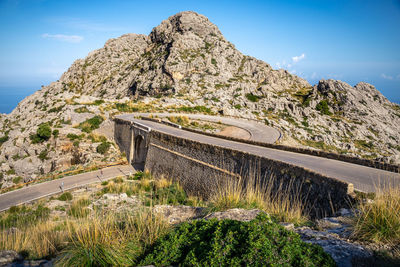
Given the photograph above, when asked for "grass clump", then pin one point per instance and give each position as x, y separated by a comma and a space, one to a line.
91, 124
195, 109
284, 203
78, 208
181, 120
233, 243
379, 220
65, 196
21, 216
83, 109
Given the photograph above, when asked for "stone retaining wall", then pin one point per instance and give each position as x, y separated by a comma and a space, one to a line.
318, 153
201, 168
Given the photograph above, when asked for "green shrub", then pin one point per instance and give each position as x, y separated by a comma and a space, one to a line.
43, 155
3, 139
65, 196
103, 147
17, 180
73, 137
259, 242
195, 109
213, 61
323, 107
56, 133
10, 171
91, 124
237, 106
253, 98
43, 133
76, 143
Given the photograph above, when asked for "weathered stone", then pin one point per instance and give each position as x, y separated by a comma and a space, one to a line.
9, 256
178, 214
235, 214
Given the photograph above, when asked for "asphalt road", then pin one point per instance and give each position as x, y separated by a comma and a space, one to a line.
40, 190
363, 178
259, 132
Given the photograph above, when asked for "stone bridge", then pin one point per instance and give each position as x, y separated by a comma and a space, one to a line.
202, 162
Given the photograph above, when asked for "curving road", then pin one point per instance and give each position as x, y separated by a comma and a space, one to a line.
363, 178
37, 191
258, 131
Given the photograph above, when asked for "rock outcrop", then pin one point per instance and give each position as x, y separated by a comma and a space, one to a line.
186, 62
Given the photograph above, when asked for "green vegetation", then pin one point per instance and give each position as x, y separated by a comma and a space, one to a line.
17, 180
73, 137
323, 107
56, 133
237, 106
379, 220
91, 124
253, 98
21, 216
195, 109
259, 242
10, 172
103, 147
83, 109
65, 196
79, 208
43, 155
214, 62
43, 133
4, 139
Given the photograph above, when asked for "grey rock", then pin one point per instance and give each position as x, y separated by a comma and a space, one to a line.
178, 214
9, 256
235, 214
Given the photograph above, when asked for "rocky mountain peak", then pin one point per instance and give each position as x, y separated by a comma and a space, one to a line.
187, 22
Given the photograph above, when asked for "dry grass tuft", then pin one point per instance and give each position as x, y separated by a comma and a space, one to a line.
379, 220
284, 204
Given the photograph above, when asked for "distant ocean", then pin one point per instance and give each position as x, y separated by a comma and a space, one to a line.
11, 96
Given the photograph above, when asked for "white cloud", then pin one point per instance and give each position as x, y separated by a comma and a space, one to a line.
298, 58
386, 77
63, 37
289, 65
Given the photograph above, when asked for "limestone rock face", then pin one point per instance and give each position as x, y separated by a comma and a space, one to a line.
186, 62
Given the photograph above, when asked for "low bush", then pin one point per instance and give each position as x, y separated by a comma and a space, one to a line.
43, 133
253, 98
103, 147
323, 107
17, 180
232, 243
65, 196
43, 155
91, 124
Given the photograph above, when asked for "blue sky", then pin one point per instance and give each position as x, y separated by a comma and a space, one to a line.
347, 40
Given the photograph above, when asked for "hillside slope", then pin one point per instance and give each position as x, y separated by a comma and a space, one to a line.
186, 65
